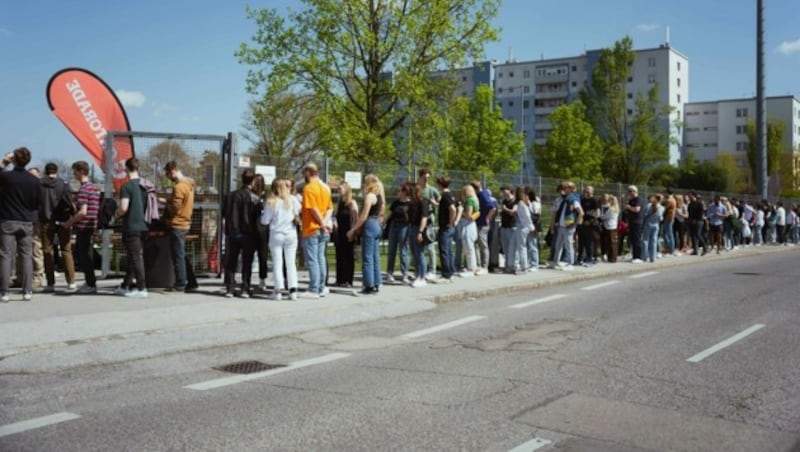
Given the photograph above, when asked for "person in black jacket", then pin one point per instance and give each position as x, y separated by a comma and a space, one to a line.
20, 196
241, 212
57, 207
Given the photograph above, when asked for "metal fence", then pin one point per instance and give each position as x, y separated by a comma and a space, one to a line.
204, 158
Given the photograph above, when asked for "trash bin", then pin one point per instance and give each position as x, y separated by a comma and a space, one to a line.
158, 262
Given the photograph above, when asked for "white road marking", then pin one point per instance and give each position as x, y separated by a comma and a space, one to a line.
227, 381
537, 301
534, 444
727, 342
643, 275
598, 286
442, 327
38, 422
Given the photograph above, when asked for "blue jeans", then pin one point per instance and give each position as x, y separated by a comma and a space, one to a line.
650, 242
418, 250
370, 253
445, 240
533, 250
521, 245
669, 236
398, 239
458, 258
314, 248
565, 245
508, 242
177, 242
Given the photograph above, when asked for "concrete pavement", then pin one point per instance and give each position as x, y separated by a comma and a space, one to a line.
59, 331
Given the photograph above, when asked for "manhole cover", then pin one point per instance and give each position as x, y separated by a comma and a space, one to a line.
248, 367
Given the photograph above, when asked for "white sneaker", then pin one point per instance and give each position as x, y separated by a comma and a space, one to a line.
262, 285
388, 279
406, 280
567, 268
324, 292
135, 293
4, 298
551, 265
533, 269
86, 290
466, 274
245, 294
293, 296
480, 272
71, 288
27, 296
419, 283
431, 277
310, 295
277, 296
636, 261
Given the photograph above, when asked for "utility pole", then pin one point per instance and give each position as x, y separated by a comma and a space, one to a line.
761, 106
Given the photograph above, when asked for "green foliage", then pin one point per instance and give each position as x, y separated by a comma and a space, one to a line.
482, 142
634, 144
573, 149
775, 130
691, 174
736, 179
366, 64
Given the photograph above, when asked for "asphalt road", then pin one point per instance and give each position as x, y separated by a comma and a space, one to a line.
696, 358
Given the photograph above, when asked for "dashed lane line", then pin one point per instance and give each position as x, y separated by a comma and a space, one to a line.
601, 285
442, 327
726, 343
537, 301
532, 445
643, 275
39, 422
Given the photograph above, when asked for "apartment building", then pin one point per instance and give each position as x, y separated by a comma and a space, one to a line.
529, 91
716, 127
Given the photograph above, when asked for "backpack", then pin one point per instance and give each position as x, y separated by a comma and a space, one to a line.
66, 207
151, 214
105, 216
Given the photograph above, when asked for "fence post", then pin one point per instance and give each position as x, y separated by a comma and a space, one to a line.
108, 189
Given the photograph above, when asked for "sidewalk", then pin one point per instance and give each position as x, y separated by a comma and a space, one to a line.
57, 331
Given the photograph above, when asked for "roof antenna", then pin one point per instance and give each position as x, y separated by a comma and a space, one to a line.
667, 35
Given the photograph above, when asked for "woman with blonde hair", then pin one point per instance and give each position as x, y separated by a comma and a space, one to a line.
281, 214
369, 224
653, 215
609, 218
524, 228
346, 216
469, 233
681, 223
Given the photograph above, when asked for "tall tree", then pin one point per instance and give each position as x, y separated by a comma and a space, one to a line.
284, 130
775, 130
367, 63
573, 149
633, 143
482, 141
151, 166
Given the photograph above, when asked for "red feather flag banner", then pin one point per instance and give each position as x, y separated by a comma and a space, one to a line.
89, 109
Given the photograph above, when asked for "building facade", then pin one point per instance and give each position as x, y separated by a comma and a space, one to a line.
719, 127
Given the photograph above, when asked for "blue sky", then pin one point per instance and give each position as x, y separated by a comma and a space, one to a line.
173, 61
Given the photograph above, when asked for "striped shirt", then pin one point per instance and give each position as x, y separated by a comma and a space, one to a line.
89, 196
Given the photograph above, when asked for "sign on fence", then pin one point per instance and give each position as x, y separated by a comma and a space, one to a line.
268, 172
353, 179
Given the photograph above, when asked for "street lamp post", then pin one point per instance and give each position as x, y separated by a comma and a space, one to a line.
522, 131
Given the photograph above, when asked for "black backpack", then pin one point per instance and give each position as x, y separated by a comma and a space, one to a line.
105, 217
66, 207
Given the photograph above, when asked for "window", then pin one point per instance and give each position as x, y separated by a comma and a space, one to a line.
574, 84
710, 129
679, 98
798, 130
630, 112
679, 65
630, 95
630, 79
525, 119
526, 89
679, 82
693, 129
741, 145
651, 62
574, 68
511, 89
526, 74
651, 78
692, 113
740, 130
710, 112
464, 78
741, 163
499, 90
679, 114
511, 74
526, 104
511, 103
741, 112
499, 75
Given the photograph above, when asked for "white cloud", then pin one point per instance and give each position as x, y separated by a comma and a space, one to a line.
131, 98
161, 109
5, 31
647, 27
789, 47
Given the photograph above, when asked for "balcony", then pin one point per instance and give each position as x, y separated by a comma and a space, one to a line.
552, 78
555, 94
543, 125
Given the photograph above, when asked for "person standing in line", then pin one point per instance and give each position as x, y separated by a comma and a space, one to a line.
653, 215
242, 211
85, 222
535, 206
262, 241
780, 223
20, 197
681, 223
670, 211
524, 227
431, 196
716, 213
369, 224
568, 215
633, 213
282, 213
508, 229
178, 210
134, 229
470, 232
57, 206
346, 217
488, 209
447, 216
317, 208
36, 251
398, 235
586, 230
609, 216
417, 221
697, 222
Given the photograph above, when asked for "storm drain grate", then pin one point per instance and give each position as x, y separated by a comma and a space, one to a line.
248, 367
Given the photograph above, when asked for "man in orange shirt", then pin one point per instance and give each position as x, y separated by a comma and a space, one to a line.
316, 230
178, 211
